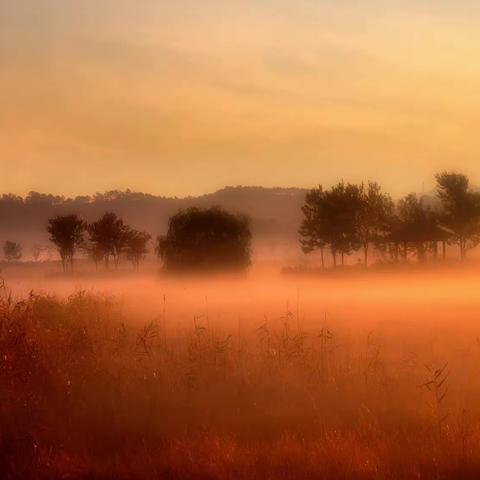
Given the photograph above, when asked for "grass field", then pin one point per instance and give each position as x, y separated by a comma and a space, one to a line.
91, 390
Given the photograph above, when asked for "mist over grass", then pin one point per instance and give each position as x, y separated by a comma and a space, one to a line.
258, 376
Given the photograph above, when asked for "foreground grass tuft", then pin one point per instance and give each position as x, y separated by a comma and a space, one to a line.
88, 393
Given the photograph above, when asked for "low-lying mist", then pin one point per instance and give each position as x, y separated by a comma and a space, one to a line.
263, 375
352, 297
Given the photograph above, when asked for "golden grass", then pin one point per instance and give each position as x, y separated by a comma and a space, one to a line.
87, 393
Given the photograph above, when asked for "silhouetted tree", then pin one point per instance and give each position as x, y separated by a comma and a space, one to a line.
419, 221
12, 251
136, 247
313, 228
373, 219
342, 205
109, 235
461, 208
331, 218
66, 232
204, 239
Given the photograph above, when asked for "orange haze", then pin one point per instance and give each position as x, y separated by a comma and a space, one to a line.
185, 97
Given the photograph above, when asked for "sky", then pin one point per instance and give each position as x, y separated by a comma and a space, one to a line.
184, 97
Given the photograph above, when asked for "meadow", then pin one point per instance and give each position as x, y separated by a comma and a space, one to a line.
373, 376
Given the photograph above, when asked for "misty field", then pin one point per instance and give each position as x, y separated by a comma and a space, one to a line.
370, 377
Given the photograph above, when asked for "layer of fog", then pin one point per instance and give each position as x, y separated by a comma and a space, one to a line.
434, 297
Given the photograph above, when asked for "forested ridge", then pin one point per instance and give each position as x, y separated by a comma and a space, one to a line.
272, 210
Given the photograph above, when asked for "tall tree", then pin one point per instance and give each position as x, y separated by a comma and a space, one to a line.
343, 203
313, 231
66, 232
330, 218
109, 235
136, 247
12, 251
461, 208
418, 220
373, 218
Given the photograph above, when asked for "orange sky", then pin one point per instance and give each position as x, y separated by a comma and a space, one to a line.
183, 97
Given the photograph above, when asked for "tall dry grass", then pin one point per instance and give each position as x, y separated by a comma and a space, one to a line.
87, 393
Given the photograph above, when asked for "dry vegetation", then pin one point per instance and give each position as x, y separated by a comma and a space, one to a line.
88, 393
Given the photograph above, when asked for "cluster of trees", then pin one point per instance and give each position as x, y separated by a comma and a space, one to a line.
344, 219
105, 240
197, 239
348, 218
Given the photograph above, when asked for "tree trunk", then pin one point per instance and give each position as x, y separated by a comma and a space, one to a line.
365, 254
444, 250
343, 254
321, 256
334, 257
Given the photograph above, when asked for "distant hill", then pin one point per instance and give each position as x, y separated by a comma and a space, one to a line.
273, 211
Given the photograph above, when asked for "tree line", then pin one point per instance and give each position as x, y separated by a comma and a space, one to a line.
348, 218
343, 219
274, 211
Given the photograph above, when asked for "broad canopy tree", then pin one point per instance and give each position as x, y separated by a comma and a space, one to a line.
206, 239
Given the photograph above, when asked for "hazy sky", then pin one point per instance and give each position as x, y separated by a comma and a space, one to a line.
186, 96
